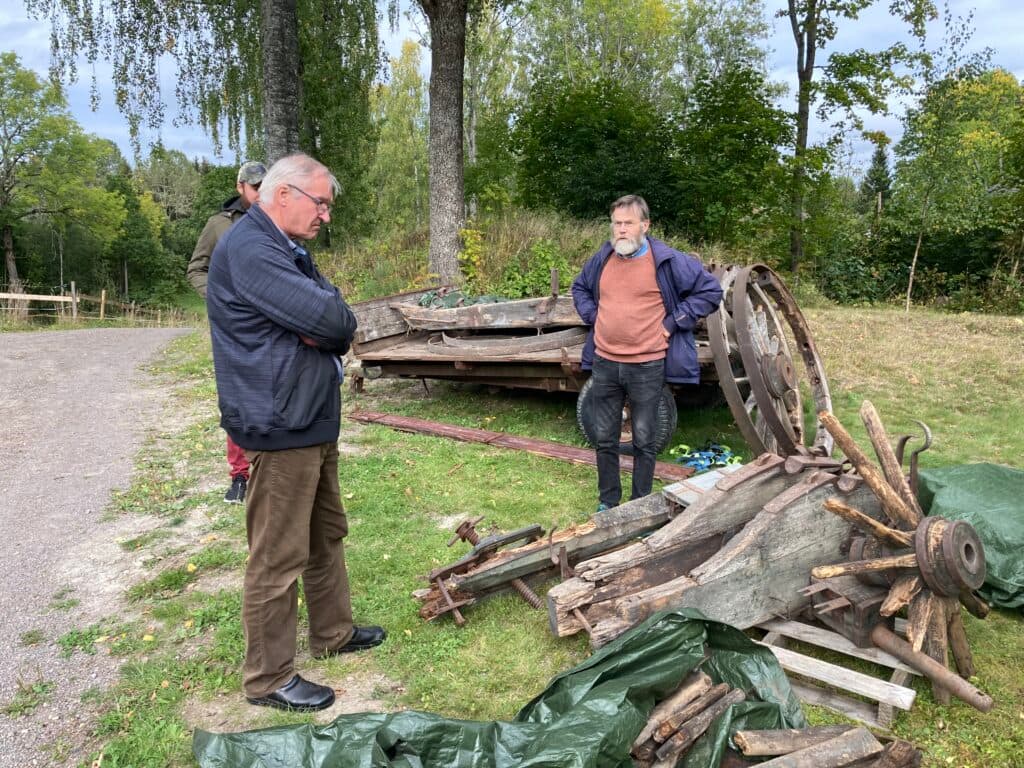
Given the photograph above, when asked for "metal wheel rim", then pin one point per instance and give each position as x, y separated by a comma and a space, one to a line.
770, 285
752, 428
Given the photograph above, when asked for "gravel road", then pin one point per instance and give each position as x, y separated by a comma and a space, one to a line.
74, 409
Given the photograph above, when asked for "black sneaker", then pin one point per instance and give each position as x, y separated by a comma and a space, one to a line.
236, 493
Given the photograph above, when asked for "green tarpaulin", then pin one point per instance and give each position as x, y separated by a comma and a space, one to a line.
991, 498
586, 717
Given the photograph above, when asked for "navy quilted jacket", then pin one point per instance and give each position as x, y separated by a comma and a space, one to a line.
262, 295
688, 291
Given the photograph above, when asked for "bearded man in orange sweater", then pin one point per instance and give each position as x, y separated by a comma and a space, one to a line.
641, 299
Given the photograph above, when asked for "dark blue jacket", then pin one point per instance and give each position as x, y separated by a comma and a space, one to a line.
274, 391
688, 290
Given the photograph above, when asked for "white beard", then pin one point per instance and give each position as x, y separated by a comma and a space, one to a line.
626, 246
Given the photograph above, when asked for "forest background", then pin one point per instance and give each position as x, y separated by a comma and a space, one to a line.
566, 104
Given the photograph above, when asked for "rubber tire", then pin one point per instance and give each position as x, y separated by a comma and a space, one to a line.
666, 419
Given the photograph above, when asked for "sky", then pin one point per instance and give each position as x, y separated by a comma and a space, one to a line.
998, 24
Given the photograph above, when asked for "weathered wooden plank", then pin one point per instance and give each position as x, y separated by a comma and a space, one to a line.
35, 297
834, 753
523, 313
824, 638
855, 709
886, 712
785, 740
663, 470
757, 575
713, 512
579, 542
844, 679
378, 319
599, 598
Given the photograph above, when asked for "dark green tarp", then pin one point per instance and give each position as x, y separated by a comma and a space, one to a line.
991, 498
586, 717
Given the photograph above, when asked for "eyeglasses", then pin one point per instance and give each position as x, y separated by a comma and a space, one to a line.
322, 206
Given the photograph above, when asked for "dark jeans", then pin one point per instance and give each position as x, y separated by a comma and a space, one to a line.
613, 382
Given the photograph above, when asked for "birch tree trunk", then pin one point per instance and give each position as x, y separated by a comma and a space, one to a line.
282, 83
447, 56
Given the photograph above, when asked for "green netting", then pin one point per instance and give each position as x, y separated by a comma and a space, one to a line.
586, 717
991, 498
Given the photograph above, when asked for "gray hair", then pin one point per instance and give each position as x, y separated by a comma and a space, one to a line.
627, 201
294, 169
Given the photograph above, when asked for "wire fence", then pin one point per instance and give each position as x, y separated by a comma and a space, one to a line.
51, 305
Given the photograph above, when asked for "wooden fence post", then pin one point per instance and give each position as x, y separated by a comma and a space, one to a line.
74, 302
103, 302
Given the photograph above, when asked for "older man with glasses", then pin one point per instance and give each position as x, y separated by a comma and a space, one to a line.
247, 184
278, 329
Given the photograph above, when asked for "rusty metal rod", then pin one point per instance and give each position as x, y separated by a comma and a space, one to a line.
938, 673
467, 532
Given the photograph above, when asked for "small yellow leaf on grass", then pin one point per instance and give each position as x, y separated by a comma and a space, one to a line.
207, 539
350, 495
192, 568
408, 633
189, 623
300, 601
165, 683
148, 638
386, 556
101, 639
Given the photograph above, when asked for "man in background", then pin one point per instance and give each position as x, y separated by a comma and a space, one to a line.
278, 329
641, 299
250, 175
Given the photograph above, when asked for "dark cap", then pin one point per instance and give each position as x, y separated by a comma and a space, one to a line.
252, 173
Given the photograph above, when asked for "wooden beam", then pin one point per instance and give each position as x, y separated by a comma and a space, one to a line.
663, 470
786, 740
891, 501
887, 458
839, 751
36, 297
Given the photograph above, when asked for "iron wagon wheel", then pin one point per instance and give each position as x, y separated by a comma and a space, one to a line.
752, 337
665, 425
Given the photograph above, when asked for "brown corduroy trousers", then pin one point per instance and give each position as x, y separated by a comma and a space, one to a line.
295, 523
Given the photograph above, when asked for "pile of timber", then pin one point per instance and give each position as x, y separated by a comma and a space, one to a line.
828, 746
677, 722
740, 552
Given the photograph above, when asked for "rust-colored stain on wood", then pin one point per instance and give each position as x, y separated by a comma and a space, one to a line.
663, 470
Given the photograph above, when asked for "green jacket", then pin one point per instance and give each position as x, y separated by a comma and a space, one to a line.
216, 226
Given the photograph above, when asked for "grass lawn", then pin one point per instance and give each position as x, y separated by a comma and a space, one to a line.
405, 493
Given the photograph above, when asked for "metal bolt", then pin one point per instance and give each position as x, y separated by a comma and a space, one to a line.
467, 532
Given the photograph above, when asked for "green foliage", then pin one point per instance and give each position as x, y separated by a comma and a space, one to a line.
50, 175
729, 176
654, 48
582, 146
471, 258
876, 188
399, 174
532, 275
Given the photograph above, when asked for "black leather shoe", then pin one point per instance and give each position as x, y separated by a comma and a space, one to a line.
362, 638
298, 695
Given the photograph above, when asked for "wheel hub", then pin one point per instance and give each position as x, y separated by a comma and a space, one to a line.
779, 374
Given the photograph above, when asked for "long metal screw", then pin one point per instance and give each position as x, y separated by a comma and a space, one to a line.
467, 532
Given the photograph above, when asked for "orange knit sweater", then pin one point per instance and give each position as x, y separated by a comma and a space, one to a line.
630, 312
